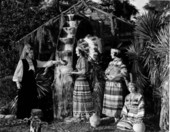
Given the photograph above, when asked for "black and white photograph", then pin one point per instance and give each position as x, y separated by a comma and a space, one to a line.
84, 65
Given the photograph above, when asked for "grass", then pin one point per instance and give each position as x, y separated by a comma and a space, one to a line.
107, 125
8, 92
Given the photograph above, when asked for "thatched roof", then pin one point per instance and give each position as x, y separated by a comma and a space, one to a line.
51, 28
75, 8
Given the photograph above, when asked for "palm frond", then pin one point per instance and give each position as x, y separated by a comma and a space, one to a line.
162, 51
153, 33
135, 54
41, 91
13, 105
43, 84
147, 29
147, 26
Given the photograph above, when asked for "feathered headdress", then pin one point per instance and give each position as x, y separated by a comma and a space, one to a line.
91, 45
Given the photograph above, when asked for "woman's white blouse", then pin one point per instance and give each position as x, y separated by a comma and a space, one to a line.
18, 74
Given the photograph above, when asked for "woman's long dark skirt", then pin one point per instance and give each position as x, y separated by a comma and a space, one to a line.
27, 96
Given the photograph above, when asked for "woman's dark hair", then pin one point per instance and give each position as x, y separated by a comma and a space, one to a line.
31, 48
134, 85
118, 54
82, 52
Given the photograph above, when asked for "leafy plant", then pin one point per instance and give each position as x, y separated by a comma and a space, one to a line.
162, 53
136, 60
43, 83
147, 26
150, 59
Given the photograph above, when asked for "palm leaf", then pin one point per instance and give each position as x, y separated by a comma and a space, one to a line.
41, 91
134, 52
162, 51
43, 83
13, 105
147, 26
153, 51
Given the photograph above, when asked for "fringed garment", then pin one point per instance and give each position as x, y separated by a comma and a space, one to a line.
98, 97
82, 98
133, 111
97, 84
113, 95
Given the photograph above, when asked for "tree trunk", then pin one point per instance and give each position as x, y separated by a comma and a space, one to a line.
164, 114
63, 81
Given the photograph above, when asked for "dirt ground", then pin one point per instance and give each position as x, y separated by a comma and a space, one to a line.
60, 126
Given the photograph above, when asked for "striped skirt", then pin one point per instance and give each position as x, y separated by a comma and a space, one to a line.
82, 99
128, 123
113, 99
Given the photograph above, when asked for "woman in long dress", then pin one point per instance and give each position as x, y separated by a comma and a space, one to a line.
24, 77
133, 111
113, 94
82, 97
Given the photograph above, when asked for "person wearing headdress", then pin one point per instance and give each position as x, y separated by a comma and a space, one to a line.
82, 97
133, 111
96, 79
113, 93
24, 76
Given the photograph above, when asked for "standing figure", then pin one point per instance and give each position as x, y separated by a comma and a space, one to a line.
113, 94
24, 77
82, 97
133, 111
97, 83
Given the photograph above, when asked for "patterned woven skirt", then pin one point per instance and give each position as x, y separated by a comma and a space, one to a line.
128, 123
113, 99
82, 99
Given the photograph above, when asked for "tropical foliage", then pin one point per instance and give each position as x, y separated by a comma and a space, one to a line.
135, 54
157, 6
161, 7
16, 20
149, 55
162, 54
124, 9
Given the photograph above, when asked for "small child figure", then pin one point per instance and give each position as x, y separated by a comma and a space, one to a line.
133, 111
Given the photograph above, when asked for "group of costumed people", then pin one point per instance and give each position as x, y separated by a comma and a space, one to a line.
90, 100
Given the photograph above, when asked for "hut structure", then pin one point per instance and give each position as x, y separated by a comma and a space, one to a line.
56, 39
